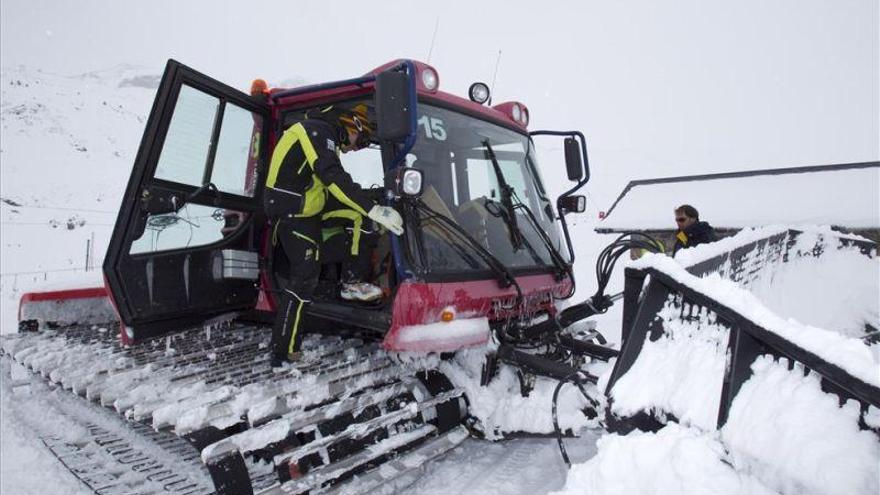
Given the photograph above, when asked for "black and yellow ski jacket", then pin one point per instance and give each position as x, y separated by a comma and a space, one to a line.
305, 167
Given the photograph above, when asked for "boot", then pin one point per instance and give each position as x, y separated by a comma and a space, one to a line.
278, 361
360, 291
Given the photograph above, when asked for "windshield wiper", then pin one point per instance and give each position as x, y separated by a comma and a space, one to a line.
505, 278
561, 266
509, 216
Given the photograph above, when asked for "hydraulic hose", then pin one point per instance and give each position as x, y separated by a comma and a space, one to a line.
576, 379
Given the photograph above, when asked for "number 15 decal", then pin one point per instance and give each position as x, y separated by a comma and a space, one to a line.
433, 128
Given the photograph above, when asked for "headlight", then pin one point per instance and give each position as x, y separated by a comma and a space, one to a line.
525, 116
479, 92
411, 184
516, 112
429, 79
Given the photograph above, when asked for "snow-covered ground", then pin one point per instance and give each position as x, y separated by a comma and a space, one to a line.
52, 217
68, 144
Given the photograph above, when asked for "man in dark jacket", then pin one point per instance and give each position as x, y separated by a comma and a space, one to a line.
691, 231
304, 168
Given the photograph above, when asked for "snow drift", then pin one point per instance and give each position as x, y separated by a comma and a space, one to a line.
760, 353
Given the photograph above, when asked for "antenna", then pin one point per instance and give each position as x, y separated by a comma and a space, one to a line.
492, 87
433, 37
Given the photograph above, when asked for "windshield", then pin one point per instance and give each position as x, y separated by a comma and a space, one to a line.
462, 184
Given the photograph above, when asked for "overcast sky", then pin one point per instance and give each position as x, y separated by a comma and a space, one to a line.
660, 88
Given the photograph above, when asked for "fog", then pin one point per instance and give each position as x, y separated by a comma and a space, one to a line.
659, 88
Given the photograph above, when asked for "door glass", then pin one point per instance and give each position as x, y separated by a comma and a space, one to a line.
194, 225
237, 148
185, 151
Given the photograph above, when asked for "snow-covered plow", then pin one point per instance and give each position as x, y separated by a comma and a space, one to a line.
770, 337
64, 308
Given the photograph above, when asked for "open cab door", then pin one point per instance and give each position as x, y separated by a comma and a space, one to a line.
184, 248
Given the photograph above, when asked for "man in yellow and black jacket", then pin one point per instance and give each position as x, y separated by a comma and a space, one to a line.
304, 169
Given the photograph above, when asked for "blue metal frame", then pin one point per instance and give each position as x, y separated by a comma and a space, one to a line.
403, 271
413, 121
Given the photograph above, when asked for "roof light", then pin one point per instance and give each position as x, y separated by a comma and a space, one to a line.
479, 92
516, 112
258, 87
429, 79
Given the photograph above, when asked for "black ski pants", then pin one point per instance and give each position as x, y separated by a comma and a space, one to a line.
356, 264
301, 240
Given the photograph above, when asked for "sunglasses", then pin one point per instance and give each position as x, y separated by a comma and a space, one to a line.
680, 219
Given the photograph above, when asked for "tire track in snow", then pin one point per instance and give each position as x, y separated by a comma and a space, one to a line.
527, 466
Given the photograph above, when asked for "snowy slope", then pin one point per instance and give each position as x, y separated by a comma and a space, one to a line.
67, 147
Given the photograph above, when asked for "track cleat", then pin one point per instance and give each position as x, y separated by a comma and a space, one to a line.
361, 291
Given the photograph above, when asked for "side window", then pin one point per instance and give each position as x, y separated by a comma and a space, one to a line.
188, 142
191, 156
188, 151
364, 166
237, 147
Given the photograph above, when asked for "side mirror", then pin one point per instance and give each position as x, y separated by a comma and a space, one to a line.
392, 102
573, 162
408, 182
572, 204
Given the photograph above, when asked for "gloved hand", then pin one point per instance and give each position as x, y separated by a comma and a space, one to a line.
388, 218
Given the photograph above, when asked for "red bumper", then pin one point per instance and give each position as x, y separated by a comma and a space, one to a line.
416, 321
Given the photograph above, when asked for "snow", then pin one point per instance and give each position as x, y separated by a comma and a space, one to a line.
527, 466
783, 433
53, 125
92, 124
839, 291
680, 373
675, 459
720, 201
847, 352
499, 406
784, 430
69, 311
460, 332
20, 457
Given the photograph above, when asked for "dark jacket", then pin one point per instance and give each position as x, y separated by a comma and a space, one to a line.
305, 162
692, 235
